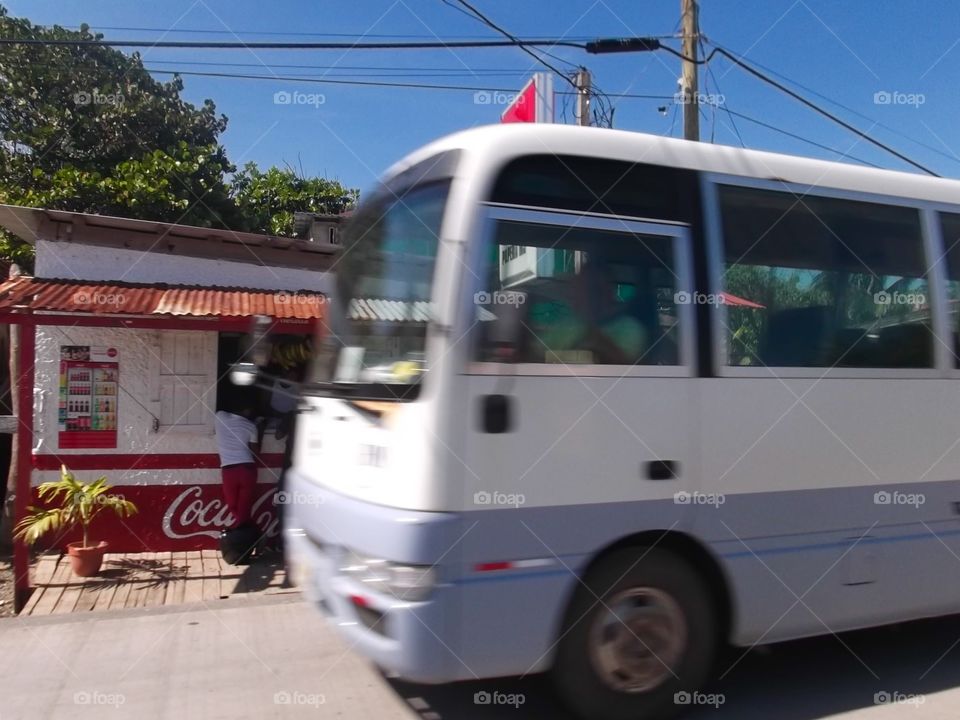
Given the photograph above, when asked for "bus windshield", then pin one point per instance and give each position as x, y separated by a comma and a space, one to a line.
384, 283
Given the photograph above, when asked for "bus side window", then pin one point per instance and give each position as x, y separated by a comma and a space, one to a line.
577, 296
823, 282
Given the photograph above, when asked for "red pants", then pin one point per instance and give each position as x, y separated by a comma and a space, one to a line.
239, 484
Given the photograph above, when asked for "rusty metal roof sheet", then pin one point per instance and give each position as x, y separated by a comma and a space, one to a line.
143, 299
376, 309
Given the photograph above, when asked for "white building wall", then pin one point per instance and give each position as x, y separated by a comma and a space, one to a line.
138, 361
89, 262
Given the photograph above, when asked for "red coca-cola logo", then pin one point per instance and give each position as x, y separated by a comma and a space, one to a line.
191, 515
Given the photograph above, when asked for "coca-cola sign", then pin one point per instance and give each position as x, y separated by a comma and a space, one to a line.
194, 513
176, 517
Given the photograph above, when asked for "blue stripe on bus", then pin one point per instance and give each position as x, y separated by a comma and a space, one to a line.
734, 555
509, 576
838, 545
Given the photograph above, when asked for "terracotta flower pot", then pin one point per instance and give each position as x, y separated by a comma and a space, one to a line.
86, 561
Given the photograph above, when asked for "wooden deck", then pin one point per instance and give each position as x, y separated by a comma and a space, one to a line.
147, 580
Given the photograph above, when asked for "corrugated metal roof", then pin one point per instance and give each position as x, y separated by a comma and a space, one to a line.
140, 299
391, 310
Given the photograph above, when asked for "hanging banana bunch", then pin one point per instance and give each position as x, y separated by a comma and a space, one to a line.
290, 354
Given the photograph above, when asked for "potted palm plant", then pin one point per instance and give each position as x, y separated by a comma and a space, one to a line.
72, 503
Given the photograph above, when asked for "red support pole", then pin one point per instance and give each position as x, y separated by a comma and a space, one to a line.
21, 555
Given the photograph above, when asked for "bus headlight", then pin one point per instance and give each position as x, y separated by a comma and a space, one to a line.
412, 583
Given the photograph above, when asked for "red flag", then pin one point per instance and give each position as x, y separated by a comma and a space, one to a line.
524, 106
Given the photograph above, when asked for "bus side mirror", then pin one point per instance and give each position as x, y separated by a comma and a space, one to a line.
244, 374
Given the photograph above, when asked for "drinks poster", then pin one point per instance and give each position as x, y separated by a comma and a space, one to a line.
89, 384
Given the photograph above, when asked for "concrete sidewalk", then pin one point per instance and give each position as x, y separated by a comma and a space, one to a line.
273, 656
267, 656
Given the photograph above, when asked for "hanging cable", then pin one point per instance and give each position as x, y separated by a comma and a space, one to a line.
487, 21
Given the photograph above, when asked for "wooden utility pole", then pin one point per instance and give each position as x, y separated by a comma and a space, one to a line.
690, 90
583, 83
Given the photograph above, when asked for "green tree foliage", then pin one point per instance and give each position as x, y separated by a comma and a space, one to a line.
268, 200
87, 129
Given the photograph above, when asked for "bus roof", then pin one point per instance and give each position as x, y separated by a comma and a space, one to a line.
505, 141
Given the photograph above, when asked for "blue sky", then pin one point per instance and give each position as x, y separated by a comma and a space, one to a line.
848, 51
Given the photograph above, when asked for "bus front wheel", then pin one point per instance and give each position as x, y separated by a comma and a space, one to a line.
640, 636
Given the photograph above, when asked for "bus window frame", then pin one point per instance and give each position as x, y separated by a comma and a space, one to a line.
936, 278
491, 213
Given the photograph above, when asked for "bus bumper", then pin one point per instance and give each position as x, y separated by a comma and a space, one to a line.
415, 640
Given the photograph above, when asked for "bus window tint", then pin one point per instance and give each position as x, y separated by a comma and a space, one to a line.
577, 296
950, 225
823, 282
599, 185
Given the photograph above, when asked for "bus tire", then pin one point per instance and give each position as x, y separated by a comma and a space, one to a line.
643, 648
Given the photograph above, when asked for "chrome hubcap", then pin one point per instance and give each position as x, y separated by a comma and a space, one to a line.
637, 639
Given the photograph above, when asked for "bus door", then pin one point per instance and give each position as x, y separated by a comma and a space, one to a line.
578, 391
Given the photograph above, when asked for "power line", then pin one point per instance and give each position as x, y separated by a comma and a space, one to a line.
716, 84
457, 70
487, 21
286, 33
301, 76
607, 45
832, 101
326, 81
800, 98
475, 14
283, 33
801, 138
234, 45
383, 75
633, 96
756, 121
424, 86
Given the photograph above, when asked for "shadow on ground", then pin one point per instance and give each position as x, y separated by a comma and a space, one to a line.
800, 680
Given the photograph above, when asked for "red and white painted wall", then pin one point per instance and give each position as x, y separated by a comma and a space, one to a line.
165, 459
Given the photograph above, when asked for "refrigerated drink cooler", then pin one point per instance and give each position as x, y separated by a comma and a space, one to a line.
88, 398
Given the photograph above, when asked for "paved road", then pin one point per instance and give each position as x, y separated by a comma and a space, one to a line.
274, 657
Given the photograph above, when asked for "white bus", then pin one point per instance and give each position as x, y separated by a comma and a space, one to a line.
602, 403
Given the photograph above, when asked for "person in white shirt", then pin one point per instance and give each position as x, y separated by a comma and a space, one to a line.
238, 445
